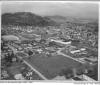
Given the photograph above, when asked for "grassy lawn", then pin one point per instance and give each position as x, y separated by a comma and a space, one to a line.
51, 66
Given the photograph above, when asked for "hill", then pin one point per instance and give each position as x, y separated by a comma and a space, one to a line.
58, 19
25, 18
63, 19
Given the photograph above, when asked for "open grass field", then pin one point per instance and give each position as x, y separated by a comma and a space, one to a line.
29, 36
50, 67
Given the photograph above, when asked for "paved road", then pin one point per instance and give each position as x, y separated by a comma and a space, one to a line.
42, 76
60, 53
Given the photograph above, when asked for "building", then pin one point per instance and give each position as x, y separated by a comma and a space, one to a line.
19, 77
10, 38
77, 51
61, 42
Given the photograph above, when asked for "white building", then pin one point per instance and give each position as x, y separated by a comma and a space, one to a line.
19, 77
59, 41
76, 51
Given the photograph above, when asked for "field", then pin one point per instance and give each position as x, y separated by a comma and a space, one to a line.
50, 67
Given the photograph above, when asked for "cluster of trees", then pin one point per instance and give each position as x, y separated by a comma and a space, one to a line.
8, 58
92, 71
68, 73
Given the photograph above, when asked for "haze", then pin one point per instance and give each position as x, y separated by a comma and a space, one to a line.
83, 10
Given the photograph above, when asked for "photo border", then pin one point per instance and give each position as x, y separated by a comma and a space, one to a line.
57, 81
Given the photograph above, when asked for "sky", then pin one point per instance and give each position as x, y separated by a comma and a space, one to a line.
83, 10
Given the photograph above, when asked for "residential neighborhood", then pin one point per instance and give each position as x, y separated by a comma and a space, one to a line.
35, 47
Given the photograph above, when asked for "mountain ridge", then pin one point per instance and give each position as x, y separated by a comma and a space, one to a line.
63, 19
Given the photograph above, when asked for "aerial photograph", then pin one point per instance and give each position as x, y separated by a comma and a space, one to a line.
49, 40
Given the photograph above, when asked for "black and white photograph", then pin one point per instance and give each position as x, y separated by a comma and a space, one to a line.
49, 40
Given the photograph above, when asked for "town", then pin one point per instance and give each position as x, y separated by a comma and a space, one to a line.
49, 40
65, 52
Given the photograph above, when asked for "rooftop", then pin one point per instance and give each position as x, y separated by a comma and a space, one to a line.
10, 37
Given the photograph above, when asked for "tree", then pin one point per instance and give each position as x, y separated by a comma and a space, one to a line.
93, 72
3, 32
68, 73
8, 59
30, 52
